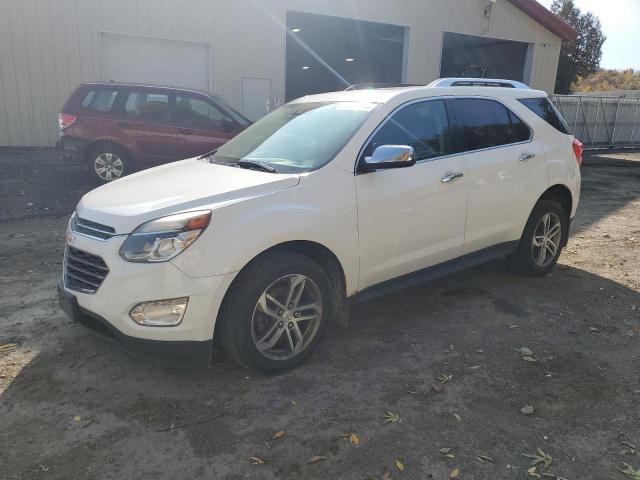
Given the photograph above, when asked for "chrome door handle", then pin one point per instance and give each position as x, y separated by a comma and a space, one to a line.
526, 156
450, 177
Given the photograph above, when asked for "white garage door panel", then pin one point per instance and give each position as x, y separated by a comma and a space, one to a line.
127, 58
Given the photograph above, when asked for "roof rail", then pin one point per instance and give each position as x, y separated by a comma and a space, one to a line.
477, 82
366, 86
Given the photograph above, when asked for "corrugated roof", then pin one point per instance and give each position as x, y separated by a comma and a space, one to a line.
544, 17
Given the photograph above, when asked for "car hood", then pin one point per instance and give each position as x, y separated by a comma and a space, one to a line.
180, 186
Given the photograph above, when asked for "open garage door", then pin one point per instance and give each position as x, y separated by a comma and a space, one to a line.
128, 58
483, 57
330, 53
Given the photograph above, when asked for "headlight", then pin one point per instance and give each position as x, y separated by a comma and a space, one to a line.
162, 239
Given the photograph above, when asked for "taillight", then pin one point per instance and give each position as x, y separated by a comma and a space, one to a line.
65, 120
578, 148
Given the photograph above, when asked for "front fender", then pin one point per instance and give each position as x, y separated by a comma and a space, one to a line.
321, 209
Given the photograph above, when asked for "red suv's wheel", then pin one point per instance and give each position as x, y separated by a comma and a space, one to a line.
108, 163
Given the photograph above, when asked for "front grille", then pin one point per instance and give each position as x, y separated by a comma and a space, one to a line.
83, 272
92, 229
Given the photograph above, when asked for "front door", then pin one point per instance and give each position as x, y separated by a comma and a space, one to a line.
202, 126
412, 218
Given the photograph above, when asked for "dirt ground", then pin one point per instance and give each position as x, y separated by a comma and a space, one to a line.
443, 359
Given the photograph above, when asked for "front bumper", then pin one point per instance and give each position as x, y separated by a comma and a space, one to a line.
127, 284
187, 353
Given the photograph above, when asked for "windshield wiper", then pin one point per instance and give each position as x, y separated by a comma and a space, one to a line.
255, 164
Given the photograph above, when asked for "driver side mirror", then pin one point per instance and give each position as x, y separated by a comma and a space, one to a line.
390, 156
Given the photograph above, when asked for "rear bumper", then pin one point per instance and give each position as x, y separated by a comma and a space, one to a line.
183, 352
73, 148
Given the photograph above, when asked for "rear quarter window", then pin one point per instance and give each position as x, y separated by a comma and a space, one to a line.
100, 100
545, 110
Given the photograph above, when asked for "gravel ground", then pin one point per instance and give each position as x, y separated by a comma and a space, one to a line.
445, 360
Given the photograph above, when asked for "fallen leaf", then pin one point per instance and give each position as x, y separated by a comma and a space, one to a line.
386, 475
317, 459
353, 438
539, 457
630, 472
445, 450
256, 460
458, 417
527, 410
444, 378
391, 417
278, 434
528, 358
77, 418
525, 351
455, 473
475, 367
399, 465
484, 458
7, 347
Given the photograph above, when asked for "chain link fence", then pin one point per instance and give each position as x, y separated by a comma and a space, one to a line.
602, 121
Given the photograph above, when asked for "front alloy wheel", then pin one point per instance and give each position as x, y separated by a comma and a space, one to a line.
276, 312
286, 317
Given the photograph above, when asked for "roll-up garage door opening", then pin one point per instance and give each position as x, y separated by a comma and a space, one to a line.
484, 57
327, 53
129, 58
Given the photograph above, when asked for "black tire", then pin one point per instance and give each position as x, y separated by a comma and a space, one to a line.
525, 258
109, 151
238, 309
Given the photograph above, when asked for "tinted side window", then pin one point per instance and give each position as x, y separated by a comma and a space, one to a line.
99, 100
424, 126
197, 112
545, 110
519, 130
487, 123
147, 106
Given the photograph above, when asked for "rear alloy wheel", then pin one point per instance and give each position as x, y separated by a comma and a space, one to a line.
547, 239
109, 163
543, 238
276, 312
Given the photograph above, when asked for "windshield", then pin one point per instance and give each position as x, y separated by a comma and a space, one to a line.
297, 137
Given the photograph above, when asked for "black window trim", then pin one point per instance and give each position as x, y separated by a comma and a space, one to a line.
509, 110
359, 169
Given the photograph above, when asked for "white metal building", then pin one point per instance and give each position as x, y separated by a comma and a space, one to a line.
258, 54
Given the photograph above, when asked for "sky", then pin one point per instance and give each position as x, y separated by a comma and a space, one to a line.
620, 21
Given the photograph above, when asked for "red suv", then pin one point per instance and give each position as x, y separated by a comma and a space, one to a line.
118, 128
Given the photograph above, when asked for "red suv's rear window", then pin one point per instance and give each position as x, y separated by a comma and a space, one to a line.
100, 100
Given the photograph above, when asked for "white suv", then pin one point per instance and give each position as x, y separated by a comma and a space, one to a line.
331, 198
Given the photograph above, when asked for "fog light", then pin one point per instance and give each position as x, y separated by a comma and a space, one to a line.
160, 313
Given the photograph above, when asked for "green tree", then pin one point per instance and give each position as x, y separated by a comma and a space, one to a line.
582, 57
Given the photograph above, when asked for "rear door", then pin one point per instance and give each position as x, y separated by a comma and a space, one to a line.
145, 127
202, 125
412, 218
505, 167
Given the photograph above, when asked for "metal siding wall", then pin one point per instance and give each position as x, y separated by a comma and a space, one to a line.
47, 47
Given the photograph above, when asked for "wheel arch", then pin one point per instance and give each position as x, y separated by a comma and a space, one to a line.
317, 252
559, 193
